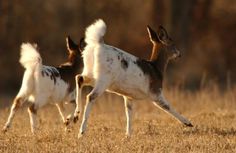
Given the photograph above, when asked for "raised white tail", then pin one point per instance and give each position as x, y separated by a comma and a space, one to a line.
30, 57
95, 32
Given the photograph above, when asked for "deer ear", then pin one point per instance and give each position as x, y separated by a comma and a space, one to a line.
162, 34
82, 44
71, 46
152, 35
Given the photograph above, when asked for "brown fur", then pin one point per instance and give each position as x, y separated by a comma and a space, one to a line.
155, 51
74, 65
17, 102
155, 75
32, 109
156, 43
129, 106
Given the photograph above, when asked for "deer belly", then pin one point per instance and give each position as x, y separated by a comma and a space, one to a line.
125, 90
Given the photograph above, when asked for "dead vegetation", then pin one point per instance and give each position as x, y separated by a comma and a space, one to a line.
211, 111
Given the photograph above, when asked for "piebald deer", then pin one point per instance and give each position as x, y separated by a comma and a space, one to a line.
42, 84
110, 69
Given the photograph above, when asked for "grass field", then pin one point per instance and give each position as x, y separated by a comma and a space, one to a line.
212, 112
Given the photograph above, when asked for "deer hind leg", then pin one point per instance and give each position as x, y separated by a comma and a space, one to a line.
32, 110
80, 81
128, 112
65, 120
25, 90
18, 101
40, 100
69, 118
98, 90
162, 103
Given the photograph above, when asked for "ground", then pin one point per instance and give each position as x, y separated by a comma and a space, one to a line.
211, 111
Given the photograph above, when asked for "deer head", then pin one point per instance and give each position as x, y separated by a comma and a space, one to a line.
73, 49
162, 42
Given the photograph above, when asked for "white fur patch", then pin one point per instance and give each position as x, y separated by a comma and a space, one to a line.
95, 32
38, 82
30, 57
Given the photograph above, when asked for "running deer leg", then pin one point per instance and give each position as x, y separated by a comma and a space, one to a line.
79, 85
66, 121
128, 112
32, 110
18, 101
98, 90
164, 104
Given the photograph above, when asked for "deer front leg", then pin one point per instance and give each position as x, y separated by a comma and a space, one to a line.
66, 121
128, 112
164, 104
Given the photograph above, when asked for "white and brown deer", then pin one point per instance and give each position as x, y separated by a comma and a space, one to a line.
110, 69
43, 84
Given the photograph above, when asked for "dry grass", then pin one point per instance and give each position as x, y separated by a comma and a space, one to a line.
213, 114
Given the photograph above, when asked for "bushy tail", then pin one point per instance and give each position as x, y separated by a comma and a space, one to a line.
95, 32
29, 56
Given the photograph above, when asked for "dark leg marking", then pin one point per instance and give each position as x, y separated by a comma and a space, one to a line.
129, 107
80, 81
76, 118
165, 106
33, 109
67, 122
17, 103
92, 96
189, 124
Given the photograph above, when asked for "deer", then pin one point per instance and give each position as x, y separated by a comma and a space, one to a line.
43, 84
110, 69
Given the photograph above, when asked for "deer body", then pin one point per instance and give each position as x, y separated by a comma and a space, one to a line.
110, 69
128, 76
43, 84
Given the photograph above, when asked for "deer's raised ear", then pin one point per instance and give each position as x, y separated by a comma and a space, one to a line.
162, 34
152, 35
82, 44
71, 46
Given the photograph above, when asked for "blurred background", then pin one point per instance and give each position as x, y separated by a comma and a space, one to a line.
204, 31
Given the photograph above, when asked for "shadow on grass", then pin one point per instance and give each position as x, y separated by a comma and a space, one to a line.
205, 130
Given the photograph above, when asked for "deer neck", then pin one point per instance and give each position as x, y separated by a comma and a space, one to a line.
161, 61
77, 62
74, 63
155, 51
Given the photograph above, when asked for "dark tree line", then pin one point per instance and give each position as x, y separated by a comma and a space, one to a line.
204, 30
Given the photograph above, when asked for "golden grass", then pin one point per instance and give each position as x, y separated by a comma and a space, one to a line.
212, 112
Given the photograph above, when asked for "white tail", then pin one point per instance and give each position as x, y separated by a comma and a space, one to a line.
29, 57
95, 32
